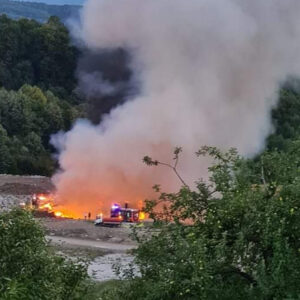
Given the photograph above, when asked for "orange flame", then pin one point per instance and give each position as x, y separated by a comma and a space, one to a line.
47, 203
53, 204
46, 206
141, 215
60, 214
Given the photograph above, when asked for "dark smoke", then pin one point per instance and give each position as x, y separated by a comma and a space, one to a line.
105, 80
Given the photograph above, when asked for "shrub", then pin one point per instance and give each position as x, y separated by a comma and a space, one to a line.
29, 269
235, 237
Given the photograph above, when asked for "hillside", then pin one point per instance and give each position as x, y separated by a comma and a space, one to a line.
59, 2
37, 11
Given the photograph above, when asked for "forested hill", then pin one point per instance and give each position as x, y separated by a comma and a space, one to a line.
59, 2
37, 11
37, 79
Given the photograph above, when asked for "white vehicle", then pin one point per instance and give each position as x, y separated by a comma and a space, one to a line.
98, 220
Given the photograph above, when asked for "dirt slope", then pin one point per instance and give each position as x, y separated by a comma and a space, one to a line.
24, 185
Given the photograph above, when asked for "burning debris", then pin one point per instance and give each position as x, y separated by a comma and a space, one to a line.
44, 206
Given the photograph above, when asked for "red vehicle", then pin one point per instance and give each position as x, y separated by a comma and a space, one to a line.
127, 214
118, 215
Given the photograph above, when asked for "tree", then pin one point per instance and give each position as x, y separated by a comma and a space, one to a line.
5, 157
29, 117
28, 267
230, 238
285, 118
37, 54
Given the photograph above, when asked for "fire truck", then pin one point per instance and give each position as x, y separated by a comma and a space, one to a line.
119, 215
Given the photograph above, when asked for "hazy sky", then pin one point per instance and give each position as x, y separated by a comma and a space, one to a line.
77, 2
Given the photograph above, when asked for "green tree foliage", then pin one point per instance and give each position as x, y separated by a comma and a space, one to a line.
5, 156
37, 79
37, 54
286, 119
28, 267
28, 117
228, 239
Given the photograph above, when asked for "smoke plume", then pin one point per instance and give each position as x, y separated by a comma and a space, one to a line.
209, 72
105, 80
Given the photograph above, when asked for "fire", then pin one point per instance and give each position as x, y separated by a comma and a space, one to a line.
46, 206
58, 214
142, 215
46, 202
52, 204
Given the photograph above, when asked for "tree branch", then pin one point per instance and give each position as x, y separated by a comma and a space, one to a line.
263, 173
150, 162
175, 170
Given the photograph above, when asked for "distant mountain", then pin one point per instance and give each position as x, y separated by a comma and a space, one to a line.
59, 2
38, 11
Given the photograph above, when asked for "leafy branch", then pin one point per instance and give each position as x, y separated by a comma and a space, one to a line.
150, 162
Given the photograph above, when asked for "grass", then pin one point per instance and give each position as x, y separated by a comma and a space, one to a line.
103, 290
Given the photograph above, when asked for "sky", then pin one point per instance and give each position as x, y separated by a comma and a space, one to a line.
59, 2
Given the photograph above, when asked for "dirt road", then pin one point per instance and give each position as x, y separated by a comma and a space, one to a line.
86, 230
101, 267
111, 247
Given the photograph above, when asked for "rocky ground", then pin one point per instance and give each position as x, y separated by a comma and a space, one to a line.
24, 185
86, 230
17, 189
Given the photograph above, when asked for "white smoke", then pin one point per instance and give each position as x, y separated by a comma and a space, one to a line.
210, 71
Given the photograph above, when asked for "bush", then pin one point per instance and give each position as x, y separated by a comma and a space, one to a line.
235, 237
29, 269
